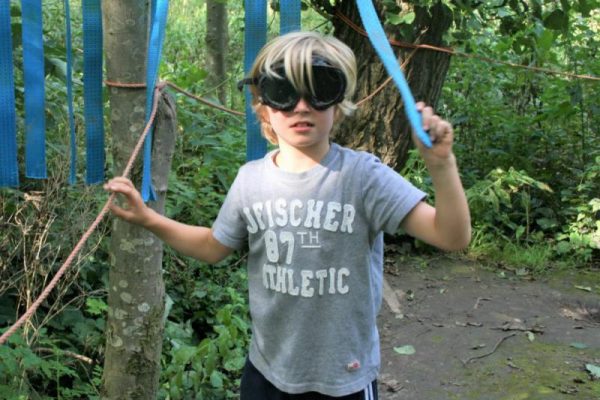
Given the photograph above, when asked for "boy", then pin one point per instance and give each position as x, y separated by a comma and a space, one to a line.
313, 215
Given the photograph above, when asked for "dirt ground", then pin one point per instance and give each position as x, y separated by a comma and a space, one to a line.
488, 333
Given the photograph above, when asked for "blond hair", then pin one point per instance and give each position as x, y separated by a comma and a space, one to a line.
296, 51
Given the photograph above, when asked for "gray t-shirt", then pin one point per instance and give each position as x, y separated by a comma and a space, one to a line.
315, 265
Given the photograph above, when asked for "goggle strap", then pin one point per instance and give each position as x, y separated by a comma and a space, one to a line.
246, 81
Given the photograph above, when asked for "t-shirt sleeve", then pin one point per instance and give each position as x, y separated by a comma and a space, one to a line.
229, 227
388, 197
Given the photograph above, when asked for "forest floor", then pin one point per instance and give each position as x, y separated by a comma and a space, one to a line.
488, 333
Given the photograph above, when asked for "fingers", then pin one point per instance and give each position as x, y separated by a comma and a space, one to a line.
439, 129
123, 186
119, 184
135, 209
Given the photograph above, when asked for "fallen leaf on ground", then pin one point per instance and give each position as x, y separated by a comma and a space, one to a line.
582, 312
393, 385
514, 325
405, 350
594, 370
579, 346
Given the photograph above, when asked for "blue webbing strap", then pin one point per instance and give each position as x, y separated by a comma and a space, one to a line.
69, 79
384, 50
158, 22
255, 36
92, 90
290, 16
9, 169
33, 79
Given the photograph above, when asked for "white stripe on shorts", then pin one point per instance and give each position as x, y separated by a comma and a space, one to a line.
369, 392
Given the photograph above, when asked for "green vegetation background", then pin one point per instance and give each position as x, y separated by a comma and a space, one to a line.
527, 144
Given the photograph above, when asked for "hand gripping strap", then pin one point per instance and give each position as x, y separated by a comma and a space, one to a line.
9, 170
34, 81
384, 50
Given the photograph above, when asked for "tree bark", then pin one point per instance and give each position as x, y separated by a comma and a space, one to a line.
216, 40
135, 324
380, 125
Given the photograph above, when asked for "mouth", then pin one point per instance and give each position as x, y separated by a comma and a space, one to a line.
302, 124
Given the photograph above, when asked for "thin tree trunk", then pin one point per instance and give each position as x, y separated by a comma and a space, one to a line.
380, 125
216, 40
134, 330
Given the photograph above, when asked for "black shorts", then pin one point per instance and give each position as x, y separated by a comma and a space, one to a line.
256, 387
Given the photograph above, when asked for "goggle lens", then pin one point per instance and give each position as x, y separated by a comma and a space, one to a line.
278, 93
329, 82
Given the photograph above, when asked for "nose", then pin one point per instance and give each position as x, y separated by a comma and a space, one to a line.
302, 106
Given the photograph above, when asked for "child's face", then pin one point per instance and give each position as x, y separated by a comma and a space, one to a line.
303, 128
302, 118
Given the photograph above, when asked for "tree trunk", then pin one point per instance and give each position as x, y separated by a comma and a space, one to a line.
216, 41
135, 324
380, 125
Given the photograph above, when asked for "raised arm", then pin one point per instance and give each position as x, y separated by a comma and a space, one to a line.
194, 241
448, 224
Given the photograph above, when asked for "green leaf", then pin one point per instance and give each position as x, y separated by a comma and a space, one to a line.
184, 354
586, 288
557, 20
235, 363
584, 7
544, 41
405, 350
59, 66
519, 232
396, 19
168, 305
95, 306
216, 379
547, 223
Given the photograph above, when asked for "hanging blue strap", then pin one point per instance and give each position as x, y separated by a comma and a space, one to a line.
92, 90
158, 22
9, 170
290, 16
69, 79
384, 50
33, 79
255, 36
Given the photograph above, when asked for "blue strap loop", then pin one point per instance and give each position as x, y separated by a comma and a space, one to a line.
255, 37
290, 11
69, 79
34, 81
158, 22
384, 50
9, 169
92, 90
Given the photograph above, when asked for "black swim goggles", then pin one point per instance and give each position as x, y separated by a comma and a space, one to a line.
279, 93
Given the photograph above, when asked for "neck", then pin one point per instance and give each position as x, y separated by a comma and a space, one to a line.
297, 160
